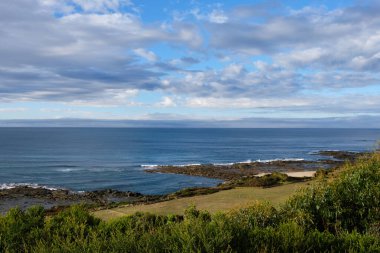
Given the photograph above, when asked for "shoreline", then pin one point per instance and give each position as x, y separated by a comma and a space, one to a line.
252, 174
230, 172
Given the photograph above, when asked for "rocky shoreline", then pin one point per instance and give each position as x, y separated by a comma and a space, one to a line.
239, 174
55, 199
237, 170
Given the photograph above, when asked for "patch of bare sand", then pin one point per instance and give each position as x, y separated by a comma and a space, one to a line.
293, 174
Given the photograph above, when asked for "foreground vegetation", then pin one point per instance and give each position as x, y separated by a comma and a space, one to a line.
340, 212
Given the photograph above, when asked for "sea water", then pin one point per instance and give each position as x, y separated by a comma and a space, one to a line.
82, 159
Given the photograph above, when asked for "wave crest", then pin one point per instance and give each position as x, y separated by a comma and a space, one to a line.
154, 166
6, 186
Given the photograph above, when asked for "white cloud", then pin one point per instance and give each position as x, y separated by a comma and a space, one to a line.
303, 57
166, 102
217, 16
370, 62
80, 55
344, 105
109, 98
326, 39
87, 6
146, 54
51, 52
232, 71
13, 110
236, 81
211, 102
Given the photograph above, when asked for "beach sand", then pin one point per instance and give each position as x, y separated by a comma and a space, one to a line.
298, 174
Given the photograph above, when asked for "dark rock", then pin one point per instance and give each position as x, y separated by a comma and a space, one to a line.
24, 197
342, 155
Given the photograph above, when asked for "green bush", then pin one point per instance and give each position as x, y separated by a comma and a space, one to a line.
270, 180
19, 229
351, 201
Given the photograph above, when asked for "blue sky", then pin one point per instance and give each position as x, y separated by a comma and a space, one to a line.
190, 60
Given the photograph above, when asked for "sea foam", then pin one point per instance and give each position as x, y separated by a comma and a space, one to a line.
6, 186
154, 166
281, 160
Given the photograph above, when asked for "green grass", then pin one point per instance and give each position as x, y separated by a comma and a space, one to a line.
220, 201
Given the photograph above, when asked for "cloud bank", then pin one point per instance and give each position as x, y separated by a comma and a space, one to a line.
254, 59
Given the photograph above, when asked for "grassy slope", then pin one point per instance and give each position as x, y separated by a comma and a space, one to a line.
220, 201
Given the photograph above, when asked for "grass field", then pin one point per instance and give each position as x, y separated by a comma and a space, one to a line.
220, 201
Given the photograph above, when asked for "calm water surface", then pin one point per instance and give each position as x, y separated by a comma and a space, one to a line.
97, 158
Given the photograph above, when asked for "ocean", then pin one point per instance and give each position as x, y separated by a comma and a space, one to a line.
83, 159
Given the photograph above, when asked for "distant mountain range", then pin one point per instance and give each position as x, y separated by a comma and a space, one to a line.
332, 122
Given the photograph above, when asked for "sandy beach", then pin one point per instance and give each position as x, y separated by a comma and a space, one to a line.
298, 174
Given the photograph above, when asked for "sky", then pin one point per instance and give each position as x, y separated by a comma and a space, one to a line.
223, 61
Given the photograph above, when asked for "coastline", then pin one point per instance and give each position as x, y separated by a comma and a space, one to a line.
235, 171
249, 174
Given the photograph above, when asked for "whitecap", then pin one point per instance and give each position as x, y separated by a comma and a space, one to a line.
149, 166
6, 186
246, 161
281, 160
66, 170
223, 164
154, 166
189, 164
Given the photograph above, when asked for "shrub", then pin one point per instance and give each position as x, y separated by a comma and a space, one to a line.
19, 228
349, 202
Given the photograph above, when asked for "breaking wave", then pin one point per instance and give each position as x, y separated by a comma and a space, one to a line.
6, 186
